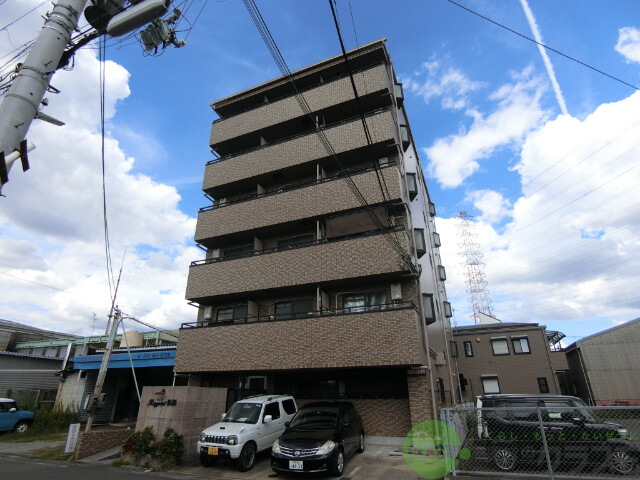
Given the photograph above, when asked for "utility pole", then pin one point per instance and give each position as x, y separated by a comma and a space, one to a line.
22, 102
95, 400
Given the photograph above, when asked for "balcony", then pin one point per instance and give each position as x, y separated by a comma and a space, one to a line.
385, 338
374, 80
320, 198
365, 256
298, 150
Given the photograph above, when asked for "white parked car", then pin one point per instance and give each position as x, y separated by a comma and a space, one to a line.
250, 426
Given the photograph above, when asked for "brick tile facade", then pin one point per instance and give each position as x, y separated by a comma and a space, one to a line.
325, 95
384, 338
96, 441
305, 203
354, 258
298, 151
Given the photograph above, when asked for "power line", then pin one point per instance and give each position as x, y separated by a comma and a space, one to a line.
24, 15
545, 46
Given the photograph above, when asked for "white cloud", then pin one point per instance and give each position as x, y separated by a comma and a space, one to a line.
570, 250
52, 265
629, 44
492, 205
435, 81
456, 157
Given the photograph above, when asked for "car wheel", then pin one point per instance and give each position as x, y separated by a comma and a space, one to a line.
620, 461
361, 445
21, 427
505, 459
337, 464
247, 457
207, 461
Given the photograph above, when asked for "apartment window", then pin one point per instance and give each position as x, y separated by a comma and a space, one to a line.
500, 346
447, 309
294, 309
520, 345
543, 385
432, 209
490, 384
413, 185
442, 274
436, 240
364, 302
429, 311
239, 252
454, 349
468, 349
295, 242
421, 246
232, 315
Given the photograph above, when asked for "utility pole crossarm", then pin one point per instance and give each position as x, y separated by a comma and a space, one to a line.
22, 102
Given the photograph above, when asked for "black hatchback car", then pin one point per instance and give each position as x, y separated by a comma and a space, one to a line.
319, 438
510, 427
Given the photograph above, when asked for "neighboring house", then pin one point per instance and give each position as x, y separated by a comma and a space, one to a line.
322, 268
604, 368
504, 358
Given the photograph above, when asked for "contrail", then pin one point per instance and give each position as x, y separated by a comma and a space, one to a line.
543, 53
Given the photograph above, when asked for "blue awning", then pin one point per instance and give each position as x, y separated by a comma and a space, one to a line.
165, 358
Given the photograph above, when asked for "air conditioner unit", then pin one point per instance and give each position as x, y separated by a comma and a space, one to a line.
383, 161
208, 312
440, 361
222, 201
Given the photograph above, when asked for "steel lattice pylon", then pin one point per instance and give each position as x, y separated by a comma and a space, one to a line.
475, 278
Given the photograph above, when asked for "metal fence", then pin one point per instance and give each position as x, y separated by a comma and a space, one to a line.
544, 442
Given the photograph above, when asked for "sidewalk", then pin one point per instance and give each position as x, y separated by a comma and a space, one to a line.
27, 447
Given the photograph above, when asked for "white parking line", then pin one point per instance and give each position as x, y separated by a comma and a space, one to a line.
355, 470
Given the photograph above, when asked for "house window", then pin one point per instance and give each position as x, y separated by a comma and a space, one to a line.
436, 240
543, 385
238, 252
295, 242
454, 349
232, 315
432, 209
421, 246
447, 309
490, 384
468, 349
500, 346
413, 185
442, 274
295, 309
364, 302
429, 312
520, 345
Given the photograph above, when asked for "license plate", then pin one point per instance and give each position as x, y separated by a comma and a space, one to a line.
295, 465
212, 450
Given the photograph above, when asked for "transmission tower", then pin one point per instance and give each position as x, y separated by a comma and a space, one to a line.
475, 278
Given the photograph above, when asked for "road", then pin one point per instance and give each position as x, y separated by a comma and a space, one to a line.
19, 467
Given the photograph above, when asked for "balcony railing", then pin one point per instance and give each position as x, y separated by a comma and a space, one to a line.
322, 241
316, 313
288, 188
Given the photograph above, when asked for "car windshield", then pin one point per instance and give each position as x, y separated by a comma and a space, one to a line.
243, 413
315, 417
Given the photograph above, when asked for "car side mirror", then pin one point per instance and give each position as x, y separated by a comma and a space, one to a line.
267, 419
13, 409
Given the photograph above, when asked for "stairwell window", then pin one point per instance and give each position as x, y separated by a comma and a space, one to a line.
442, 273
454, 349
429, 311
543, 385
468, 349
421, 246
413, 185
520, 345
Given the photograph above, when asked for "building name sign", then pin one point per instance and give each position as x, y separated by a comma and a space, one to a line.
417, 372
169, 403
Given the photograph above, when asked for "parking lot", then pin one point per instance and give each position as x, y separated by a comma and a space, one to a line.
376, 462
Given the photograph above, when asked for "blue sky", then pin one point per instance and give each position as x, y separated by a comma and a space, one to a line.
551, 186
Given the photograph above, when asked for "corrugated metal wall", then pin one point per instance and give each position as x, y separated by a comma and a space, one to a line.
110, 387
